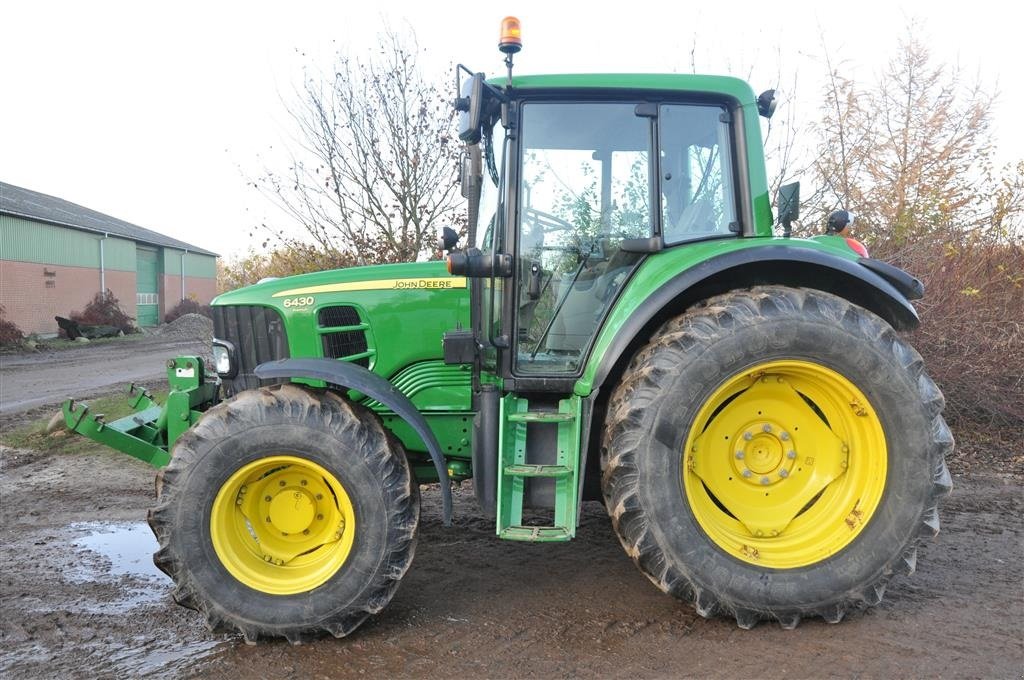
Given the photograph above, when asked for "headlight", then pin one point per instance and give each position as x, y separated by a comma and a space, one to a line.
223, 359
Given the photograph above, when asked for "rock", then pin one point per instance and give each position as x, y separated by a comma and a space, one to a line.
81, 338
188, 326
56, 423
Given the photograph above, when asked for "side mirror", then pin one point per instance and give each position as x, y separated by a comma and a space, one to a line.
448, 240
788, 202
469, 104
766, 103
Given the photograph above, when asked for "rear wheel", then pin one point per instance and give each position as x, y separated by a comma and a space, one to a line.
286, 512
775, 453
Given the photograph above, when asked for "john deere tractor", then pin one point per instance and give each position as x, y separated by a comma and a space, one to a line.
620, 325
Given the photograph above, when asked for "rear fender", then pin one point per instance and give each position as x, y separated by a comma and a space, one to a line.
742, 268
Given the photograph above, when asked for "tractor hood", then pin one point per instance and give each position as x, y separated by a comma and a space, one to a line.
408, 276
386, 318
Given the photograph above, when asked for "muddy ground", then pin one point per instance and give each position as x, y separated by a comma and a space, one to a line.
81, 598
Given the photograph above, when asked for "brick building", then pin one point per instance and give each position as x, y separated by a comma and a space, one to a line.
56, 255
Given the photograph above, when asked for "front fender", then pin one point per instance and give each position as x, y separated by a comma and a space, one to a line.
362, 380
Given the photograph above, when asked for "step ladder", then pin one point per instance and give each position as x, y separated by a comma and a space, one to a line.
514, 471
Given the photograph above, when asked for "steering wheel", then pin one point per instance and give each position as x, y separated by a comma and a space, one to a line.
543, 226
539, 225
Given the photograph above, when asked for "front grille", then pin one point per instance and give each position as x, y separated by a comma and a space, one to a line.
343, 315
345, 344
341, 344
258, 335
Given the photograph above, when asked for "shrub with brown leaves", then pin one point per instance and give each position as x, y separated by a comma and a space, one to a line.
972, 325
188, 306
10, 334
105, 310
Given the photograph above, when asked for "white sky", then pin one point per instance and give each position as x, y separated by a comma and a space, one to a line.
155, 112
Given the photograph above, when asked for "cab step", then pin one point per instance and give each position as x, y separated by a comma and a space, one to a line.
541, 417
535, 534
515, 472
538, 470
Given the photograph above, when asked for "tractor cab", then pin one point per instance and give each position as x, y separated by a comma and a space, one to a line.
573, 186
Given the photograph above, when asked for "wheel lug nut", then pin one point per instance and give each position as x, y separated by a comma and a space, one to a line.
268, 520
748, 436
765, 480
784, 436
284, 533
319, 496
739, 455
783, 473
267, 498
320, 517
747, 473
303, 482
766, 427
791, 454
281, 483
305, 532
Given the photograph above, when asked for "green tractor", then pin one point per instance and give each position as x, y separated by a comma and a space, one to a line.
621, 325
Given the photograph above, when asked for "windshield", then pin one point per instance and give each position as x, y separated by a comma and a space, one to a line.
584, 187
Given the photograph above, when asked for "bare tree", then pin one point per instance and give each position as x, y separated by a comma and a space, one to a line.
373, 169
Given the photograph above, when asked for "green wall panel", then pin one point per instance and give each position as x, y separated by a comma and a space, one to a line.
204, 266
147, 308
147, 270
24, 240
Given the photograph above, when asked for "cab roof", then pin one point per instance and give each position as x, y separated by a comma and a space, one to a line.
734, 88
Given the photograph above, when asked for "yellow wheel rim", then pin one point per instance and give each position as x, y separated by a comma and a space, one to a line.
785, 464
282, 525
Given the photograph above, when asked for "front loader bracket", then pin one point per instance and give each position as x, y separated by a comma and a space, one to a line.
150, 431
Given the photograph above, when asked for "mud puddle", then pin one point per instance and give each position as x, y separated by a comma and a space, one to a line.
122, 555
128, 546
112, 606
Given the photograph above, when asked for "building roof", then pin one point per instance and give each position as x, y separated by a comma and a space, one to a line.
33, 205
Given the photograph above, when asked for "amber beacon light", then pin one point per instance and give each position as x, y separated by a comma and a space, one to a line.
511, 36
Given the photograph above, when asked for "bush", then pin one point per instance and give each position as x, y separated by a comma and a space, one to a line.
188, 306
972, 326
105, 310
10, 334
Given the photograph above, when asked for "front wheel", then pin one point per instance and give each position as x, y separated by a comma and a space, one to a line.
775, 453
286, 512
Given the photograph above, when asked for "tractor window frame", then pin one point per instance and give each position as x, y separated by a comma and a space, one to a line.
728, 169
